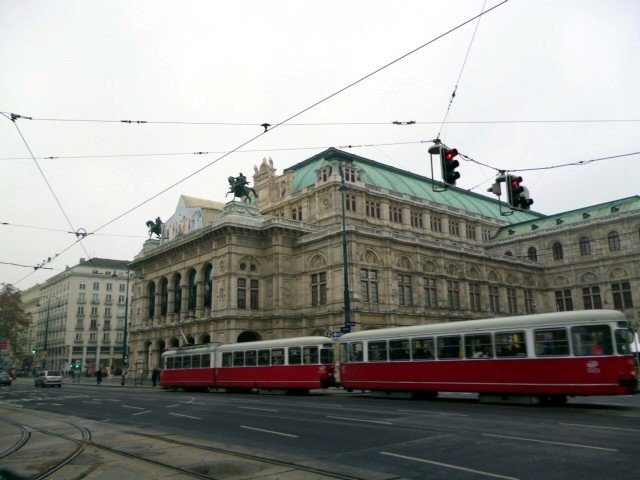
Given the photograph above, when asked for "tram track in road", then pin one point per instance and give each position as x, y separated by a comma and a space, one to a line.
43, 445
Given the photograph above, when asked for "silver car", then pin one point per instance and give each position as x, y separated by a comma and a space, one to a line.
49, 378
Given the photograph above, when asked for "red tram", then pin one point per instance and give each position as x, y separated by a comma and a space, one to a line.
286, 365
545, 357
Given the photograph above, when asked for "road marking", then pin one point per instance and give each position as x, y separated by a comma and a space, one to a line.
447, 465
332, 405
360, 420
140, 413
186, 416
262, 409
95, 403
552, 443
434, 413
174, 405
604, 428
269, 431
130, 406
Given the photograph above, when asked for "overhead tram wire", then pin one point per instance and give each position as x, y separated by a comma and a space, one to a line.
13, 120
279, 124
455, 88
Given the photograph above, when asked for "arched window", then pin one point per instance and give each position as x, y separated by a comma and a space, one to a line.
192, 290
585, 246
557, 251
614, 241
508, 253
164, 296
532, 254
152, 299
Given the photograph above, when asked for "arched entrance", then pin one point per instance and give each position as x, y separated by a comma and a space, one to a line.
249, 336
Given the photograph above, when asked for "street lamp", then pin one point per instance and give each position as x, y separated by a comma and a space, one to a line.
125, 359
345, 265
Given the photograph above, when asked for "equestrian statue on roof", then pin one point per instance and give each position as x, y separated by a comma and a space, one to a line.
240, 188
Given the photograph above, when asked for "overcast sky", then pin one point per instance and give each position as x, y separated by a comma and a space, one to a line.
545, 83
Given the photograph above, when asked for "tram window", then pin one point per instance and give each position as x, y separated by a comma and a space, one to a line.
195, 361
510, 344
449, 347
186, 361
264, 357
326, 355
295, 356
168, 363
178, 363
238, 359
399, 350
206, 361
422, 348
310, 355
551, 342
226, 359
377, 351
591, 340
478, 346
250, 358
624, 339
277, 356
355, 352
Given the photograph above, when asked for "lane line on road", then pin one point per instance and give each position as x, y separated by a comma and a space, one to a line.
434, 413
131, 406
332, 405
269, 431
360, 420
596, 426
141, 413
448, 465
552, 443
186, 416
262, 409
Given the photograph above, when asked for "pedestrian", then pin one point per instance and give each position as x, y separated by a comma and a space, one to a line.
99, 376
155, 376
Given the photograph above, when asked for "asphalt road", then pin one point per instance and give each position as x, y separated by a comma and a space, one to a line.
453, 437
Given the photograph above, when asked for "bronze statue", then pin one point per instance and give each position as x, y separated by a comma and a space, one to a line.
240, 188
155, 227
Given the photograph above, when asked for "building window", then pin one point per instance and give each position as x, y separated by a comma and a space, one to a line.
152, 299
557, 251
453, 294
164, 297
83, 285
614, 241
242, 293
255, 294
372, 209
621, 295
193, 290
430, 293
326, 171
94, 311
585, 246
369, 285
96, 285
349, 174
486, 235
78, 337
471, 232
122, 287
591, 298
208, 287
529, 304
108, 299
474, 297
121, 299
80, 311
106, 337
512, 302
494, 299
82, 298
532, 254
436, 223
95, 298
93, 337
416, 219
350, 202
296, 213
405, 295
395, 213
454, 228
107, 311
177, 294
564, 302
109, 287
319, 289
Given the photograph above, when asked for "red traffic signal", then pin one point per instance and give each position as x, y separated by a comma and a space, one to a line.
517, 195
448, 163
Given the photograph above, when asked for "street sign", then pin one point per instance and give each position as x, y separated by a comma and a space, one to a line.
336, 334
345, 329
349, 324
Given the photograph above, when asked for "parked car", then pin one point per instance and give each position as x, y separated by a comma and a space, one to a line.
5, 379
49, 378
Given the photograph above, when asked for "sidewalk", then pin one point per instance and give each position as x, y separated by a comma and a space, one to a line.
111, 381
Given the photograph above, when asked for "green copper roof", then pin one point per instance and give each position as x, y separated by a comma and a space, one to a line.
391, 178
594, 212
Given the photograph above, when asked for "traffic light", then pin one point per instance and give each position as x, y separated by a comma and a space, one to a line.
517, 195
449, 165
